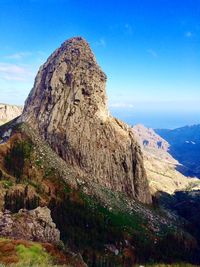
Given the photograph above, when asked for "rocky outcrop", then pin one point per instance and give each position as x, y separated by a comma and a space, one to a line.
68, 106
35, 225
9, 112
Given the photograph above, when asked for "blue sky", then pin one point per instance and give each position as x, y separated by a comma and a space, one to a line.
150, 50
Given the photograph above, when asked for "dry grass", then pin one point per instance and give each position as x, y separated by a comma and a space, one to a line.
21, 253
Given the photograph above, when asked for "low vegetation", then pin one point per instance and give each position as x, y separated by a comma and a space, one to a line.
24, 253
15, 159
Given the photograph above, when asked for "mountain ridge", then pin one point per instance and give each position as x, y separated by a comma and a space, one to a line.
161, 167
9, 112
185, 147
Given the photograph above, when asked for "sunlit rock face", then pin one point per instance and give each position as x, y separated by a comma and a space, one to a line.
9, 112
68, 106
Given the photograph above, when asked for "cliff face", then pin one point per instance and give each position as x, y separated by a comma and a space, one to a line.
68, 107
9, 112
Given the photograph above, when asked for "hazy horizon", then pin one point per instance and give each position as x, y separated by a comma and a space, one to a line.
152, 119
155, 120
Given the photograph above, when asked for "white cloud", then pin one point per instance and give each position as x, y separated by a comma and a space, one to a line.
152, 53
19, 55
13, 78
15, 72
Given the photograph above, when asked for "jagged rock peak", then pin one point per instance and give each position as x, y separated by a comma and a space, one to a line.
73, 66
68, 106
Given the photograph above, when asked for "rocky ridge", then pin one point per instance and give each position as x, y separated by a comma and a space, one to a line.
68, 107
160, 166
184, 146
9, 112
153, 144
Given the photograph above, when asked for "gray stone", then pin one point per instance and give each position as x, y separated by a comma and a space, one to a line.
35, 225
68, 107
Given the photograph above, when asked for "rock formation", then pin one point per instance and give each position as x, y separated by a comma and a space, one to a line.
35, 225
68, 106
9, 112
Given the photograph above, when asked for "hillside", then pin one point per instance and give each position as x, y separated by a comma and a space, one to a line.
9, 112
185, 147
160, 166
101, 225
153, 144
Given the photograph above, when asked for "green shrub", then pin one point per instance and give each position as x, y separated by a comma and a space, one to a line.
15, 159
34, 255
7, 184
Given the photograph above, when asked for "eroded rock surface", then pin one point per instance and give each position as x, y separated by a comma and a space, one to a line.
35, 225
9, 112
160, 166
68, 106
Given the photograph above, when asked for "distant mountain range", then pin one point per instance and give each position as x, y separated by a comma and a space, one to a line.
185, 147
9, 112
161, 167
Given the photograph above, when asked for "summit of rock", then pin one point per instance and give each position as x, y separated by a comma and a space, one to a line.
68, 107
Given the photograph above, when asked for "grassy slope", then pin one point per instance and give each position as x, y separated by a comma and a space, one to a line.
25, 253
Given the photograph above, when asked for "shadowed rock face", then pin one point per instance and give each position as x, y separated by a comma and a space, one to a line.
68, 106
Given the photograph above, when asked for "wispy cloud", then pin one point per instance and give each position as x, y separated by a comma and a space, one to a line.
188, 34
152, 52
101, 42
14, 72
19, 55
